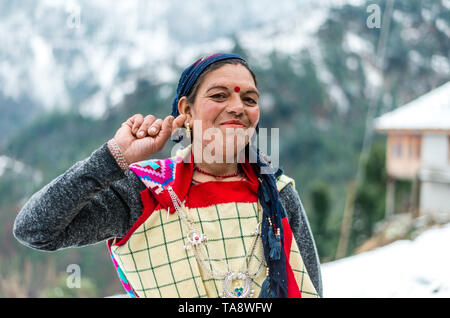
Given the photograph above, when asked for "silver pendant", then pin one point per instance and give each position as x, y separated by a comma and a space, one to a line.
237, 285
195, 238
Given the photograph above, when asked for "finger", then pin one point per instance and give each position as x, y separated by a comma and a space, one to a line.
155, 127
178, 122
137, 121
127, 124
166, 130
148, 121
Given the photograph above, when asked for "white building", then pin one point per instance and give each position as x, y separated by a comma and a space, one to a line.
418, 148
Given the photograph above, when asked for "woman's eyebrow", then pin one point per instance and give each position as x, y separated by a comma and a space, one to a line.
220, 87
251, 91
226, 88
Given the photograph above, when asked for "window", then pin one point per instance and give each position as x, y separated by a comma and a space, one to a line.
396, 149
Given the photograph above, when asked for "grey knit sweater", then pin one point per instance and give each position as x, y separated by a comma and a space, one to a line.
95, 200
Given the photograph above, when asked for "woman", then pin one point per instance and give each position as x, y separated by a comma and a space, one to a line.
206, 222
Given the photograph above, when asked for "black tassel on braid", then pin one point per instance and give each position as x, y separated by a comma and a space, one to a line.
271, 230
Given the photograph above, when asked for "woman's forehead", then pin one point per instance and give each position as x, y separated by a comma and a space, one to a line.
229, 76
231, 85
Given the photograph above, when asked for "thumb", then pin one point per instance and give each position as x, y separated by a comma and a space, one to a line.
166, 129
178, 122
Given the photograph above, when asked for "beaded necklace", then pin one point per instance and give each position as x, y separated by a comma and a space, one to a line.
238, 173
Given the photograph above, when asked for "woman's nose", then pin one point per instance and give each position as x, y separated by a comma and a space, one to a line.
236, 105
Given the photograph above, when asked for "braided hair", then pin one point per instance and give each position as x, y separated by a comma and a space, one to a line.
275, 284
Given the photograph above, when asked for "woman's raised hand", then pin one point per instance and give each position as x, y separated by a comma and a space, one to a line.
140, 137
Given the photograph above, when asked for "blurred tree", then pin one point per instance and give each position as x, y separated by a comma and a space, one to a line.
321, 203
369, 207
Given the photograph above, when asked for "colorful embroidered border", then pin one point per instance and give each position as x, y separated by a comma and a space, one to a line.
156, 174
121, 274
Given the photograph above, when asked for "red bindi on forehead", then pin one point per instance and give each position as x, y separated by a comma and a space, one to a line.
237, 89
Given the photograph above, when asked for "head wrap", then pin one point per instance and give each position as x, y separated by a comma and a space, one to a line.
273, 211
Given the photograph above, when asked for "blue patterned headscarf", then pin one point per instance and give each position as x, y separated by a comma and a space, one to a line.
275, 284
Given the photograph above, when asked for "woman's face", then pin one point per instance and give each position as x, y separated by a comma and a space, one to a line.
226, 94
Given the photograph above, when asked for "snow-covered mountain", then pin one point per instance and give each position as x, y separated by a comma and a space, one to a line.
59, 53
88, 54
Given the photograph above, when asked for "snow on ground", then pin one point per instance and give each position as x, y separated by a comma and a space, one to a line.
411, 269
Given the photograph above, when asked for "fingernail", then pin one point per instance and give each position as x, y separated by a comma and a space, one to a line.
153, 130
141, 133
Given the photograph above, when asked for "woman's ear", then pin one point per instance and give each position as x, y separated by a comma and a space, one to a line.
184, 107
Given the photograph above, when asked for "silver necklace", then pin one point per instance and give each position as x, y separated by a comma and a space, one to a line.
236, 284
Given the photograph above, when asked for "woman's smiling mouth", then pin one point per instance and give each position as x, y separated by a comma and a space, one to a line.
233, 123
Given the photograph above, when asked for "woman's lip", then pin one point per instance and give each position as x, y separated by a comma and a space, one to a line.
232, 125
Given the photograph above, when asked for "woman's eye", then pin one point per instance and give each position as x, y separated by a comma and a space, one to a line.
218, 96
250, 100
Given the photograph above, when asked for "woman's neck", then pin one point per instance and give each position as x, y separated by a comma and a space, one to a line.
228, 165
218, 169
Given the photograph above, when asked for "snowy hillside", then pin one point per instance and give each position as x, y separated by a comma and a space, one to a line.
57, 51
418, 268
89, 54
60, 54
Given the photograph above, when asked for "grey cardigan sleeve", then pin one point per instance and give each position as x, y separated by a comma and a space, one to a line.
301, 230
92, 201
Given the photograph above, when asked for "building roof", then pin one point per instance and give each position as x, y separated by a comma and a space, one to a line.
430, 111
